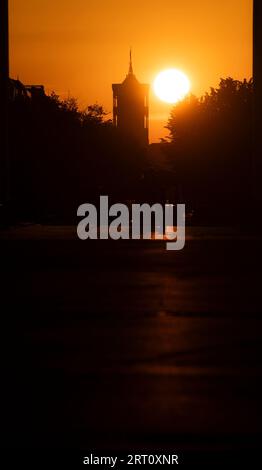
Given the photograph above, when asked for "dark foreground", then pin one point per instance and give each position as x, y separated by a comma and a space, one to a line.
125, 346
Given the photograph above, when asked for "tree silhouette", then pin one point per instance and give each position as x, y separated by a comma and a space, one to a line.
62, 156
211, 148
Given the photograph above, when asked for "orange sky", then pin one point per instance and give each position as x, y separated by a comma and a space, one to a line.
82, 46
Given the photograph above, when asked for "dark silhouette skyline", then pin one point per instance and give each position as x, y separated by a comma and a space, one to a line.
78, 57
131, 116
70, 156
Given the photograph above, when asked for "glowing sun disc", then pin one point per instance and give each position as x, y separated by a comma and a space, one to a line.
171, 85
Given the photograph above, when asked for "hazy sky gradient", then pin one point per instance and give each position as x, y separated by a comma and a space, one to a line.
81, 47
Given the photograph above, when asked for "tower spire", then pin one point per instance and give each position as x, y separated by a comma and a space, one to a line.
130, 72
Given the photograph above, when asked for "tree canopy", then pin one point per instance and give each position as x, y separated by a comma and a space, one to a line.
211, 145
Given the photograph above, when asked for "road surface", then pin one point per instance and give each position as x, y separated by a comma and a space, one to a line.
123, 345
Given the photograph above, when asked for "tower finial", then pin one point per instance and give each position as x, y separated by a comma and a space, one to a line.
130, 62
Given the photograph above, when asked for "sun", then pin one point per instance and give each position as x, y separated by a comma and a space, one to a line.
171, 85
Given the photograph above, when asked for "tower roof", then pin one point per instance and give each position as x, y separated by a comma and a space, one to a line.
130, 78
130, 71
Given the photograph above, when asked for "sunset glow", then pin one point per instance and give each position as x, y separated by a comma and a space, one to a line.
80, 48
171, 85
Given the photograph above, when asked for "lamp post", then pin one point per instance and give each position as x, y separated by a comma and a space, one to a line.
257, 109
4, 77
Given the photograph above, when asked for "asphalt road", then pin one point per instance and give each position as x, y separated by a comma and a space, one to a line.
120, 345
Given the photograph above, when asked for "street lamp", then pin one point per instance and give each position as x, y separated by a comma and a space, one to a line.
4, 77
257, 121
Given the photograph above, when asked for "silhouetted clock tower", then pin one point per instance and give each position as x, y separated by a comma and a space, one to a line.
130, 107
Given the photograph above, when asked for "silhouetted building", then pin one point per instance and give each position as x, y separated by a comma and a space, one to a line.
130, 107
18, 90
35, 91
